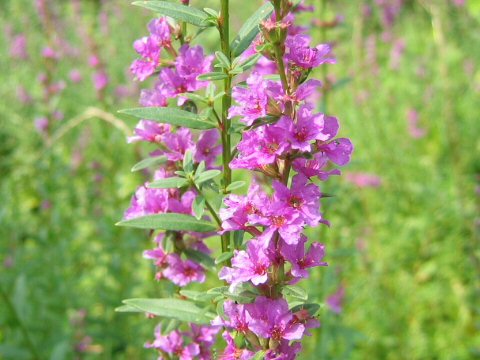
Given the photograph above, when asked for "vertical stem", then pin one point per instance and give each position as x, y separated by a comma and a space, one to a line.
224, 28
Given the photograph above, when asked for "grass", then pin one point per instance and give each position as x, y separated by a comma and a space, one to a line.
406, 251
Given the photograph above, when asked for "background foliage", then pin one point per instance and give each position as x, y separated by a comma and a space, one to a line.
405, 248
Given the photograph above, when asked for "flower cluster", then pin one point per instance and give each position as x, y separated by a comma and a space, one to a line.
283, 134
175, 77
201, 340
285, 143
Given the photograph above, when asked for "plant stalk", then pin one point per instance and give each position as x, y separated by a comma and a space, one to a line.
224, 29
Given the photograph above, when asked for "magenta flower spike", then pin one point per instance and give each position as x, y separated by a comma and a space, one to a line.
250, 107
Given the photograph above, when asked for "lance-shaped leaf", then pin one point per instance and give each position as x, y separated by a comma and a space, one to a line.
168, 183
151, 161
178, 12
212, 76
250, 30
200, 257
172, 308
224, 257
170, 116
169, 221
312, 308
197, 295
295, 291
207, 175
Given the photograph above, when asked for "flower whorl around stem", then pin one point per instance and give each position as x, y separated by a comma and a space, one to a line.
287, 135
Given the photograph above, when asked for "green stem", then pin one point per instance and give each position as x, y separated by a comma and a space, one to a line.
209, 206
224, 28
23, 329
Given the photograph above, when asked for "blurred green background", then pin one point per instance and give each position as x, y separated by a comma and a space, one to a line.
404, 241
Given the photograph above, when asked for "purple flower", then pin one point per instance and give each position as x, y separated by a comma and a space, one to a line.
158, 96
261, 147
75, 76
295, 254
207, 148
279, 217
160, 32
338, 150
270, 318
174, 345
183, 272
314, 167
18, 47
335, 300
232, 352
304, 130
205, 337
41, 124
301, 197
238, 208
100, 80
191, 63
363, 180
251, 265
150, 131
302, 55
178, 143
235, 316
252, 100
285, 351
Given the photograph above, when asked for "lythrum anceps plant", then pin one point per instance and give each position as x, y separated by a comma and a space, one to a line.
246, 107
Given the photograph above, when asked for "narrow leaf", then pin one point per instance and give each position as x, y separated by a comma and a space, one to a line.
207, 175
212, 76
238, 238
295, 291
145, 163
260, 355
197, 295
198, 206
170, 116
179, 12
235, 185
172, 308
250, 30
200, 257
311, 308
222, 58
224, 257
168, 183
127, 308
169, 221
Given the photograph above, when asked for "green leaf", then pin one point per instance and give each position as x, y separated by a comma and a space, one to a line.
259, 355
170, 221
179, 12
240, 295
212, 76
222, 58
311, 308
145, 163
170, 116
251, 61
173, 309
127, 308
224, 257
188, 162
238, 238
168, 183
295, 291
200, 257
198, 206
197, 295
250, 30
235, 185
207, 175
